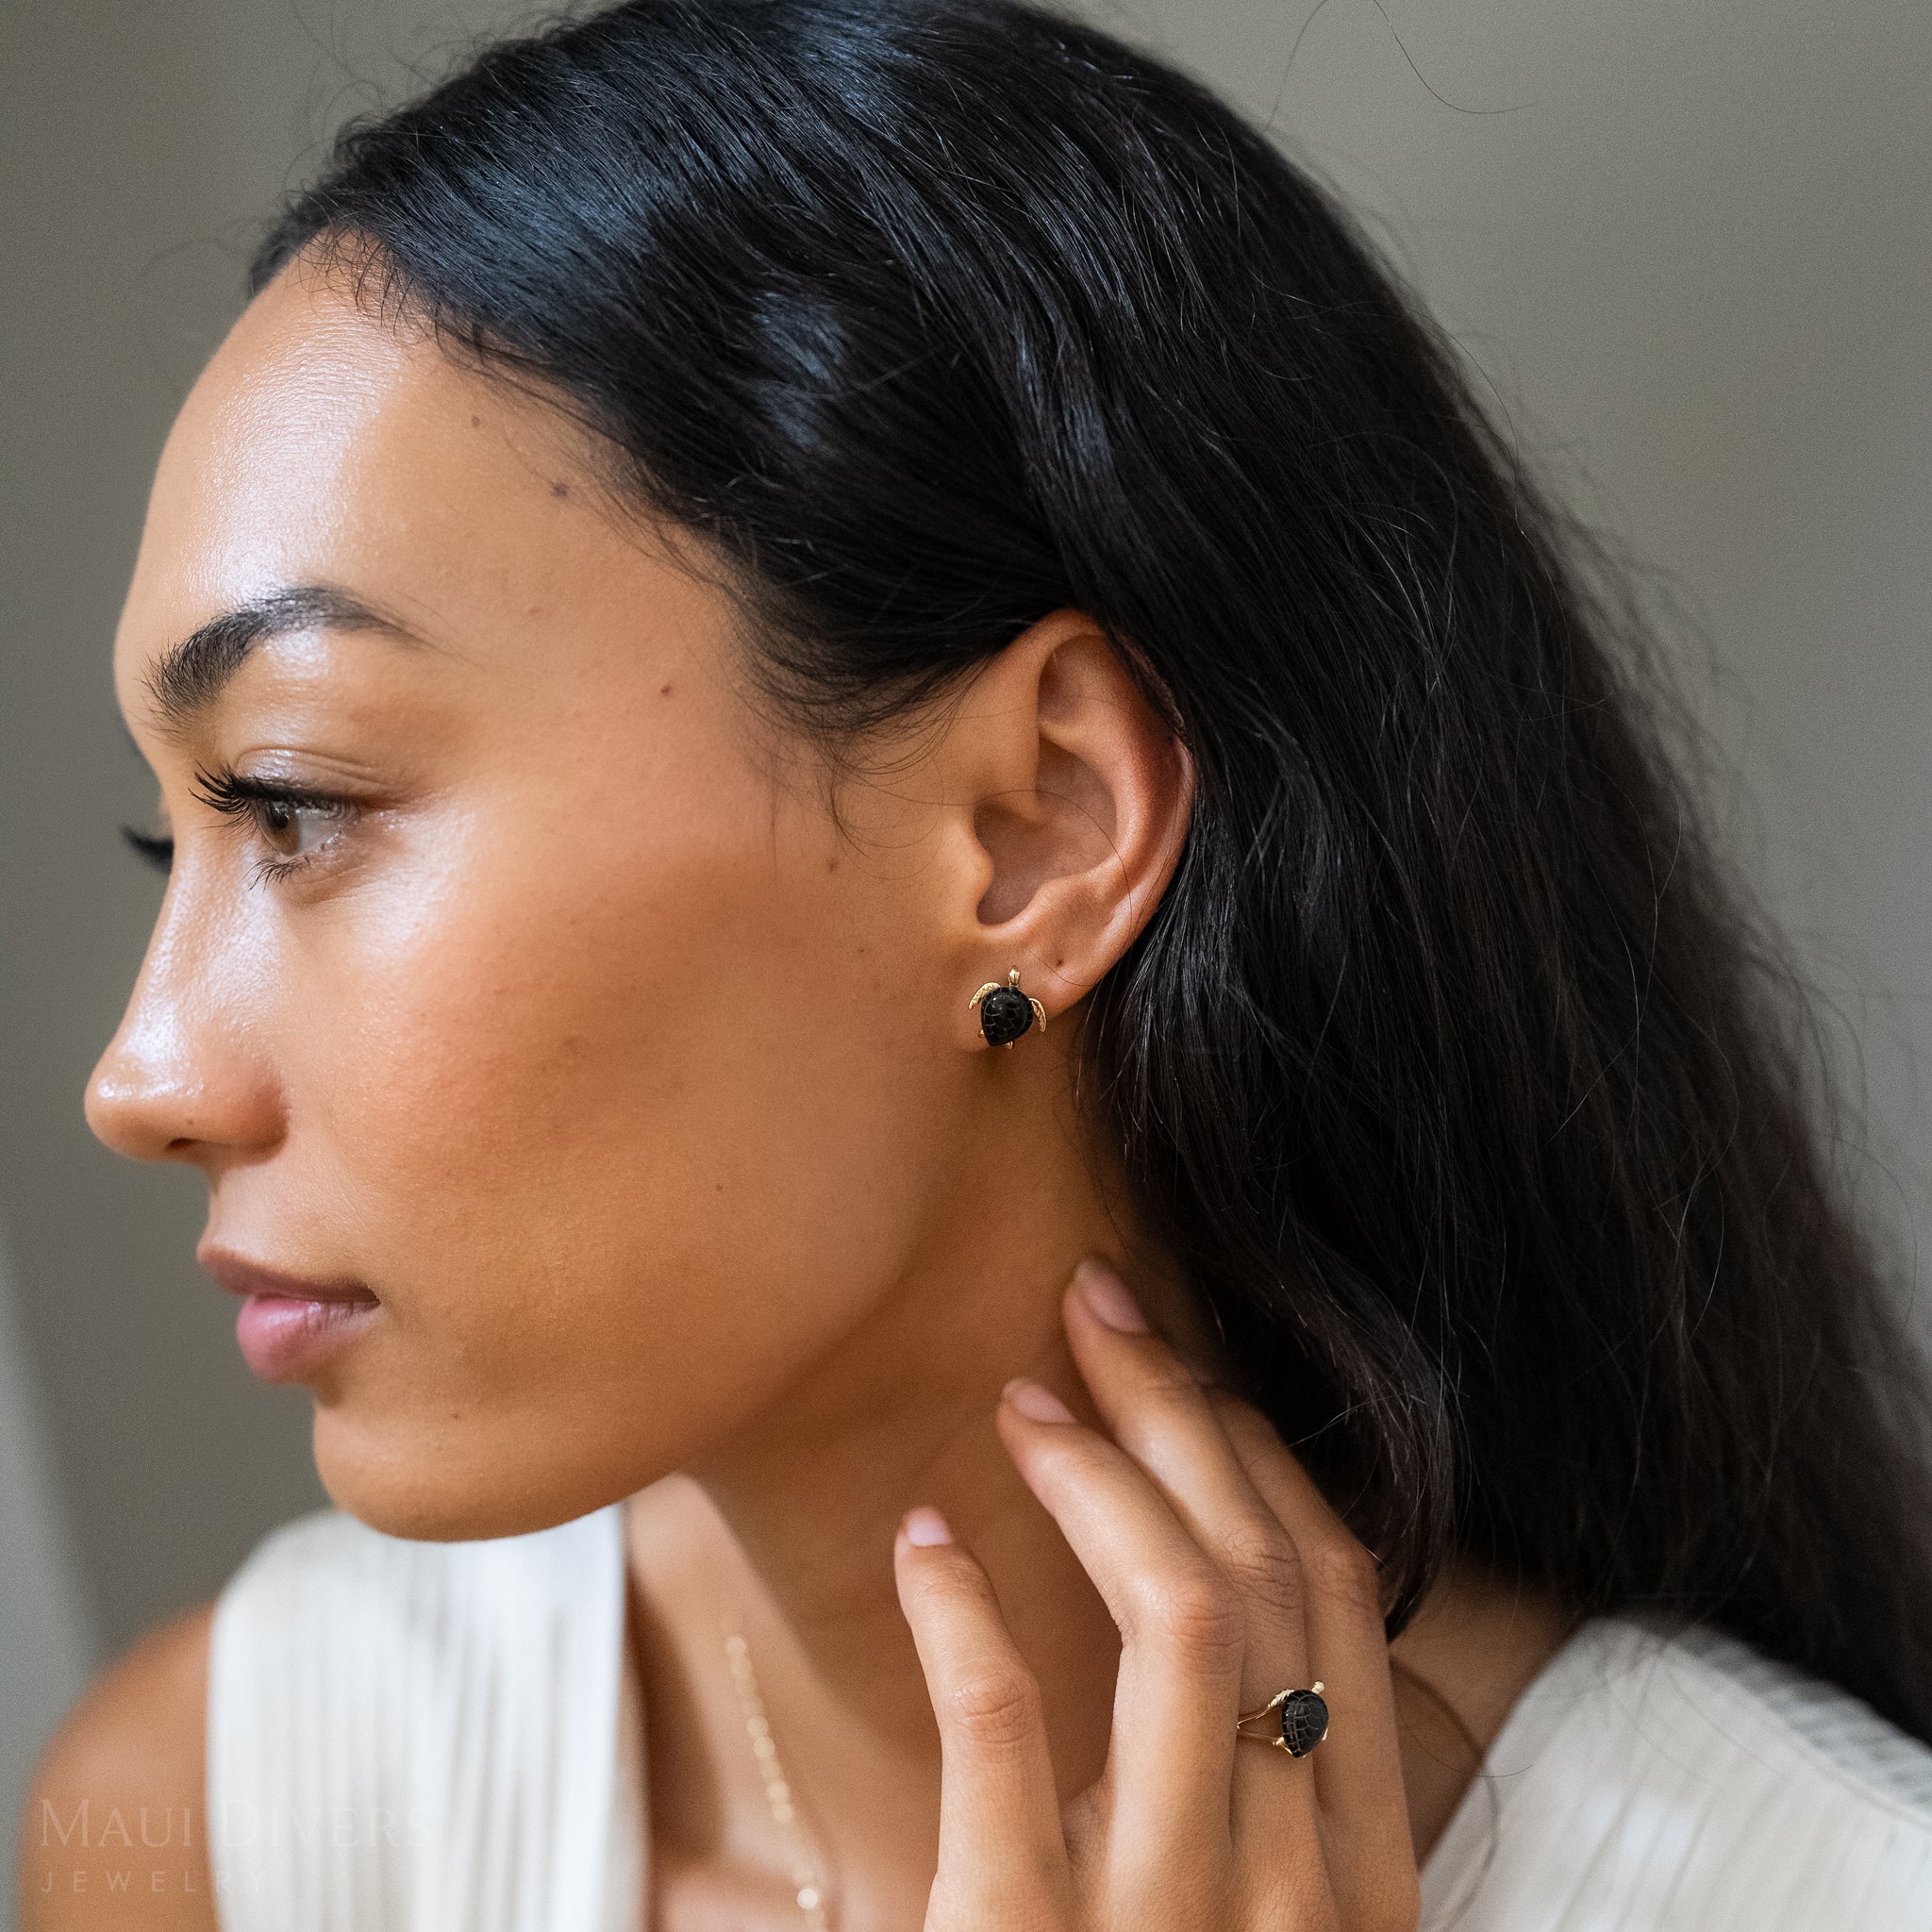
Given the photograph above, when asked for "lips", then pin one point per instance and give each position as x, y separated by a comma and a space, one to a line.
290, 1327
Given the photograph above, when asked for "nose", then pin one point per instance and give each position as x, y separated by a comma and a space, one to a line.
183, 1079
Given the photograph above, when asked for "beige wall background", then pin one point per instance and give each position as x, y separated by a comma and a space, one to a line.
1690, 249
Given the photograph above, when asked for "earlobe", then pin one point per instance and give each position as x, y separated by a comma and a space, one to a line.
1078, 795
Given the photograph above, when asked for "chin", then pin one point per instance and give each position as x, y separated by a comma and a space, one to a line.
438, 1485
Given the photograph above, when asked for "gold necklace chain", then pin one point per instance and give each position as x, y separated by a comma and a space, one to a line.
809, 1885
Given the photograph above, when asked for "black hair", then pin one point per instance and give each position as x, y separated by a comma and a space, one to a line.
1451, 1070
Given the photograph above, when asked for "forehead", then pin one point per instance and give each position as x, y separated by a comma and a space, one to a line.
324, 443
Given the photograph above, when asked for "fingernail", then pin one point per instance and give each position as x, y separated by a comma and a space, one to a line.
1106, 1294
1036, 1403
925, 1528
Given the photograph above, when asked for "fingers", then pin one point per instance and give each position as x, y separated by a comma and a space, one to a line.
1229, 1578
1161, 1417
997, 1792
1359, 1770
1309, 1592
1172, 1754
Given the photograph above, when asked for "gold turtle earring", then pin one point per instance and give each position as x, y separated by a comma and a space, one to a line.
1005, 1011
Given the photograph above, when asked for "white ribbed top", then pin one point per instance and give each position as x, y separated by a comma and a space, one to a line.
1646, 1783
443, 1737
437, 1737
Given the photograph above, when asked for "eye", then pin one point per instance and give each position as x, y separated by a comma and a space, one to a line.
292, 825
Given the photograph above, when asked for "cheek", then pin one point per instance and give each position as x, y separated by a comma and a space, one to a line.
619, 1145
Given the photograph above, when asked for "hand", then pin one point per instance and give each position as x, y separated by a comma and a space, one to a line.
1230, 1579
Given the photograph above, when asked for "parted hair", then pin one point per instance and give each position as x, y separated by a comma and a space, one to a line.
1460, 1080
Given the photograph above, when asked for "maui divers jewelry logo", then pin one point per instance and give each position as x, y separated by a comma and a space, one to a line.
91, 1849
111, 1851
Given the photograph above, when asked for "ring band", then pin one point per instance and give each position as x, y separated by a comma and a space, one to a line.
1302, 1723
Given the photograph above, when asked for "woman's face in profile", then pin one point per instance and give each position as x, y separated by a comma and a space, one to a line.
513, 981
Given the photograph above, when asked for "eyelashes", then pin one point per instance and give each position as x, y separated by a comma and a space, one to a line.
283, 818
153, 848
291, 825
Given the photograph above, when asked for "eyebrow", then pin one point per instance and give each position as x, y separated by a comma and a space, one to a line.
192, 674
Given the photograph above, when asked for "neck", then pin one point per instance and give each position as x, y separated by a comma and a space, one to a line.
786, 1531
902, 1414
788, 1526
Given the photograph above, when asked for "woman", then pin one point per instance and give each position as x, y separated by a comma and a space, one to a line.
893, 837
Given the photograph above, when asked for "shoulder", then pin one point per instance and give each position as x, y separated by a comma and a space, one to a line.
115, 1809
1668, 1783
1779, 1725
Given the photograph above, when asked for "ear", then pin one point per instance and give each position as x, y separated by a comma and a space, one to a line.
1067, 798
